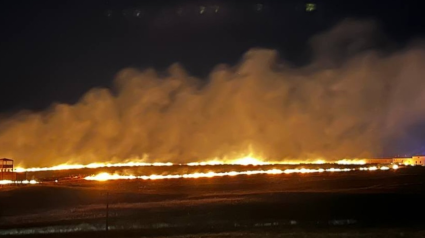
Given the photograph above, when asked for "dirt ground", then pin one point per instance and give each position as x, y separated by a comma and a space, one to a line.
354, 201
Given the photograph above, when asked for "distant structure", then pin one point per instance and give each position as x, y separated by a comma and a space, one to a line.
415, 160
6, 170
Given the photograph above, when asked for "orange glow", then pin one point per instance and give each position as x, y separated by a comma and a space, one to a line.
246, 160
6, 182
351, 162
249, 160
211, 174
91, 166
373, 168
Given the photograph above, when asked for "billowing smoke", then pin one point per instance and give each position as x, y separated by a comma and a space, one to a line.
348, 103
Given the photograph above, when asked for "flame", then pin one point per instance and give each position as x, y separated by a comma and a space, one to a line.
107, 176
249, 159
351, 162
246, 160
7, 182
373, 168
91, 166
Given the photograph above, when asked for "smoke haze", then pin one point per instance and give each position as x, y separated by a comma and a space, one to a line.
350, 102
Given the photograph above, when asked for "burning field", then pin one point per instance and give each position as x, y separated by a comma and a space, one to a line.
154, 171
324, 195
259, 144
347, 103
341, 108
176, 198
242, 194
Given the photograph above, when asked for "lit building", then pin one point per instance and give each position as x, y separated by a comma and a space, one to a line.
415, 160
6, 169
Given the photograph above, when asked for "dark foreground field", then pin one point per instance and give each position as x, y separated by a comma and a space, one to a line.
353, 204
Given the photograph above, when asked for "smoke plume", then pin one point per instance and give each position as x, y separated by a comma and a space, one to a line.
348, 103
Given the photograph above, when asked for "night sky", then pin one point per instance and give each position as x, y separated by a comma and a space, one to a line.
54, 51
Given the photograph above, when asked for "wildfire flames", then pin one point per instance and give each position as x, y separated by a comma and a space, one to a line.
244, 161
211, 174
248, 160
7, 182
90, 166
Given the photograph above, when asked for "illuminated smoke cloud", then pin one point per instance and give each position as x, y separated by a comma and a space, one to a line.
342, 105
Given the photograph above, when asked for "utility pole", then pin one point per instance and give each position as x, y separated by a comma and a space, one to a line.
107, 212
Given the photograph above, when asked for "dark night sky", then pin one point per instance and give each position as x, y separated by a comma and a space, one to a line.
54, 51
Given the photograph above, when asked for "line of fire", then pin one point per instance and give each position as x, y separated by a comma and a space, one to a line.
20, 176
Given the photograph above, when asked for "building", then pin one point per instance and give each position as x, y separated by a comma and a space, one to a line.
6, 169
415, 160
